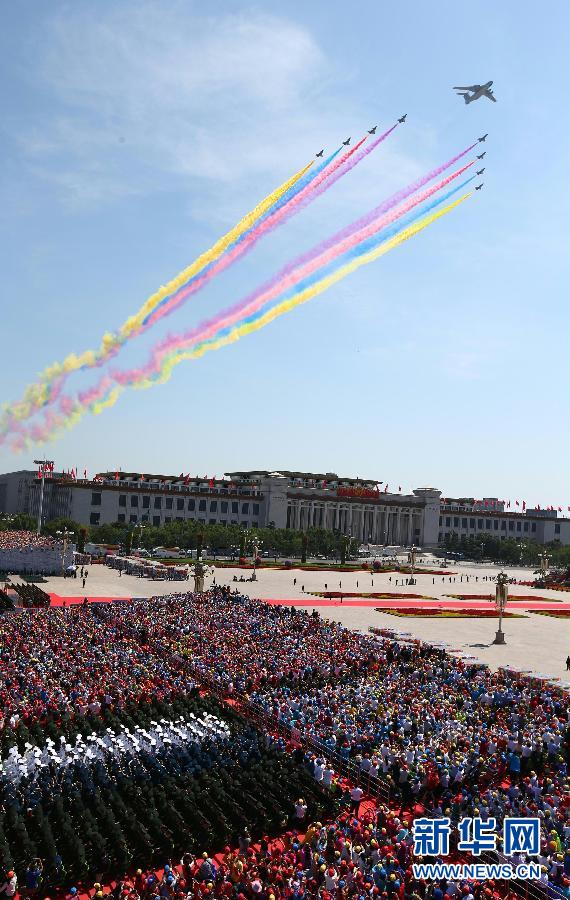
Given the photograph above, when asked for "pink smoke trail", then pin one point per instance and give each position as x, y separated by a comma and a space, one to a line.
319, 184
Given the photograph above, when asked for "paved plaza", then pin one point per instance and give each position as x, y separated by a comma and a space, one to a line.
535, 643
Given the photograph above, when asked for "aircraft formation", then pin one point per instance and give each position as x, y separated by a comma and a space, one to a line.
477, 90
401, 121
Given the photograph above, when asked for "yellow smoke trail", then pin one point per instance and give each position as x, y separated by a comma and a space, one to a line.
37, 394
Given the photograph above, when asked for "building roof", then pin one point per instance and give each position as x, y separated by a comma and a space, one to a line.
305, 476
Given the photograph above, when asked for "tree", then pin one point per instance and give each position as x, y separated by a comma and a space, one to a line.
81, 539
345, 542
129, 541
60, 524
17, 522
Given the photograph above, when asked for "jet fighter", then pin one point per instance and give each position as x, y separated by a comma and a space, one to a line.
481, 155
320, 153
479, 186
346, 143
480, 171
373, 130
483, 138
475, 91
403, 118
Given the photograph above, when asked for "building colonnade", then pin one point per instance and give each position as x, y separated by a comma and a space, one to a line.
366, 523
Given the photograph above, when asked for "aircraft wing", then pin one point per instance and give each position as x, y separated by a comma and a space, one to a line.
489, 94
473, 87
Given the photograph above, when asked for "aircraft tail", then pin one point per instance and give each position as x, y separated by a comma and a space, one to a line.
465, 96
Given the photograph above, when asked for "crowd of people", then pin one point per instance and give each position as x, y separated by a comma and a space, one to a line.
445, 735
27, 540
350, 857
55, 663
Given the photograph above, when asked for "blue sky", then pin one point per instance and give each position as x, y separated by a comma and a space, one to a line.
136, 133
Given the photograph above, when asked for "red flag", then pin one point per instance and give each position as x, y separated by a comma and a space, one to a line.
386, 489
559, 509
116, 476
524, 505
538, 505
142, 477
517, 502
85, 473
211, 482
399, 488
508, 504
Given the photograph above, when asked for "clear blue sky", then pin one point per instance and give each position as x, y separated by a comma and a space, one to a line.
135, 133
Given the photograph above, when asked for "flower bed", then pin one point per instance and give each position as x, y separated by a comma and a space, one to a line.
512, 597
334, 595
555, 613
417, 612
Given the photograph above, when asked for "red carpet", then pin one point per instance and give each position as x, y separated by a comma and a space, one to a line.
399, 603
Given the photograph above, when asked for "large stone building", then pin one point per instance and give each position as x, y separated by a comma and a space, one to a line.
257, 499
475, 518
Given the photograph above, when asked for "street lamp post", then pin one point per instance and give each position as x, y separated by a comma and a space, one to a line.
346, 542
501, 597
65, 534
46, 465
413, 552
254, 549
140, 526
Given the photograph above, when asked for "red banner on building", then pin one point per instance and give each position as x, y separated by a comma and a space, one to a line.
363, 492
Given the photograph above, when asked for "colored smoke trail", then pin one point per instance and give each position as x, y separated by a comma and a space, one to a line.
318, 186
283, 281
106, 393
51, 380
386, 205
300, 297
291, 275
276, 208
350, 164
301, 185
